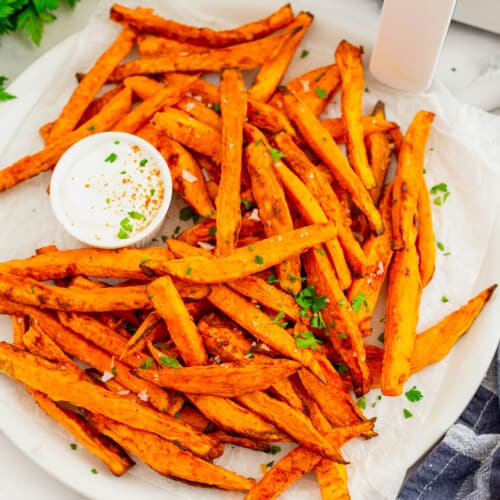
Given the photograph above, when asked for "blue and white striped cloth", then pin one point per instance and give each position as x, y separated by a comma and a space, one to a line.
465, 464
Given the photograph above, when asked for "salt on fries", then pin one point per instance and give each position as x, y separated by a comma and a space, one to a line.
248, 329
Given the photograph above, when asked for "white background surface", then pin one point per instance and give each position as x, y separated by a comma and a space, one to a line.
475, 55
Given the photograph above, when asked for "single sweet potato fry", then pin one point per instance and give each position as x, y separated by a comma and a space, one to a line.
61, 385
155, 46
332, 479
321, 189
96, 105
408, 180
271, 202
224, 437
370, 124
348, 58
323, 145
267, 117
91, 84
343, 330
147, 329
244, 261
181, 326
259, 325
192, 133
284, 473
273, 70
310, 210
201, 112
36, 163
122, 263
379, 153
145, 87
234, 111
145, 21
225, 380
404, 289
167, 458
426, 243
208, 92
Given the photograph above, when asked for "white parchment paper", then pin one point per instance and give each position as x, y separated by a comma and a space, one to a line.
463, 152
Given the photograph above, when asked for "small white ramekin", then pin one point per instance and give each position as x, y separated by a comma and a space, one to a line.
87, 172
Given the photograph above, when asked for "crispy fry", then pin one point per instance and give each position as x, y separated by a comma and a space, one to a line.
261, 327
271, 202
370, 124
379, 153
366, 289
187, 178
408, 180
168, 459
310, 210
140, 115
267, 117
181, 326
332, 479
232, 417
244, 261
201, 112
348, 58
145, 21
147, 329
34, 164
233, 110
192, 133
315, 181
339, 319
144, 87
97, 104
208, 92
226, 438
292, 421
272, 71
194, 418
154, 46
426, 244
60, 385
91, 84
245, 56
403, 298
225, 380
122, 263
18, 329
323, 145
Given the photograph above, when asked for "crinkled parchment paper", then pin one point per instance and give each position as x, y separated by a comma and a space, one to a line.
463, 152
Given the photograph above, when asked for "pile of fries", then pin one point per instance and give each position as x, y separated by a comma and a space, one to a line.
248, 328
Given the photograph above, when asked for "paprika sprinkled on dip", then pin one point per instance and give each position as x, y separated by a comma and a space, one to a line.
111, 190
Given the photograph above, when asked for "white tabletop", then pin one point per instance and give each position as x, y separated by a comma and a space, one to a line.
469, 67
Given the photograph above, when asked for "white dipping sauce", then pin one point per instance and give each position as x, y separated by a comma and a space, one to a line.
110, 188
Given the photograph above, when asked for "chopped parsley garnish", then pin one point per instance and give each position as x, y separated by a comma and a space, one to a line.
257, 142
258, 259
342, 335
92, 127
321, 251
333, 324
440, 246
342, 302
317, 321
188, 271
4, 95
276, 154
407, 413
381, 338
273, 449
146, 364
169, 361
108, 201
361, 402
249, 355
439, 187
187, 213
442, 187
453, 68
126, 225
277, 319
212, 231
413, 395
94, 470
216, 107
73, 446
143, 162
270, 464
123, 235
32, 288
111, 157
367, 90
136, 215
341, 368
358, 302
116, 142
304, 54
272, 279
444, 299
113, 371
309, 299
321, 93
251, 248
177, 414
152, 192
248, 204
304, 340
123, 172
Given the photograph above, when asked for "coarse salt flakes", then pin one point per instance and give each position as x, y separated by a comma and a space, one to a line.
255, 214
106, 376
205, 245
189, 106
188, 176
143, 395
305, 85
123, 392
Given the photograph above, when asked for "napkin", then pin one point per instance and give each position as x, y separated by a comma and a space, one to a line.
463, 152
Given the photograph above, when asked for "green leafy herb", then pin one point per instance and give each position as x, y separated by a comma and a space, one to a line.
304, 340
111, 157
249, 355
146, 364
407, 413
341, 368
367, 90
304, 54
258, 259
187, 213
413, 395
32, 288
216, 108
381, 338
342, 335
257, 142
169, 361
443, 187
321, 93
272, 279
361, 402
276, 154
277, 319
123, 235
251, 248
152, 192
273, 449
321, 251
248, 204
440, 246
108, 201
309, 299
444, 299
73, 446
212, 231
116, 142
126, 225
4, 95
92, 127
94, 470
143, 162
270, 464
342, 302
177, 414
188, 271
358, 302
113, 371
317, 321
136, 215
